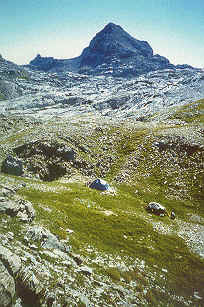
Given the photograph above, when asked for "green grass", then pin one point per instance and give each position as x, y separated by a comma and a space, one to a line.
1, 97
191, 113
126, 144
118, 225
128, 231
24, 77
16, 137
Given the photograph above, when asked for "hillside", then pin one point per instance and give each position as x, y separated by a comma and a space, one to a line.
127, 122
104, 249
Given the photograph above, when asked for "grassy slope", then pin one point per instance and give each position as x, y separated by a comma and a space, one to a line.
118, 225
191, 113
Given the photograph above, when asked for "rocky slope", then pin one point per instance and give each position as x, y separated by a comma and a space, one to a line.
64, 94
9, 73
65, 244
111, 52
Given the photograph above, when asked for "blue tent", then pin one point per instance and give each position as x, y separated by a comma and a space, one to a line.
100, 185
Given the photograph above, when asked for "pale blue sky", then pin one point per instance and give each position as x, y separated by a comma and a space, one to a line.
62, 28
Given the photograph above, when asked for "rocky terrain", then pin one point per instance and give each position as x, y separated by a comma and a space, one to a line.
64, 243
64, 94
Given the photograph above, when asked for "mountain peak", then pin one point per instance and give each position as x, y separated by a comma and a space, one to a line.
111, 26
111, 51
113, 41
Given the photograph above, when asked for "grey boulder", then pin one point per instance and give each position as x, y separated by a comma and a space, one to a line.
12, 166
22, 209
156, 208
10, 260
46, 238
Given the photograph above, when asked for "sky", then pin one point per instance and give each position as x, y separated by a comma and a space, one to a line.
62, 28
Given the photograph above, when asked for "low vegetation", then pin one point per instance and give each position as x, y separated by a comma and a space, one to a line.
112, 232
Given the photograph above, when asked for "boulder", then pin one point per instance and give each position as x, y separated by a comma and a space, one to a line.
22, 209
46, 238
26, 212
100, 185
9, 207
156, 208
11, 261
9, 190
12, 166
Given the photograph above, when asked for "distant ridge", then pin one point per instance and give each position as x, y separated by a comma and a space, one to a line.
112, 51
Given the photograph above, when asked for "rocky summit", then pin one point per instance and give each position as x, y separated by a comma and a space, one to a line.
101, 179
111, 52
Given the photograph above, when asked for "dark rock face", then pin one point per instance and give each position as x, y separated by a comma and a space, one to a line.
45, 63
46, 148
46, 157
29, 287
50, 64
111, 52
12, 166
113, 41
